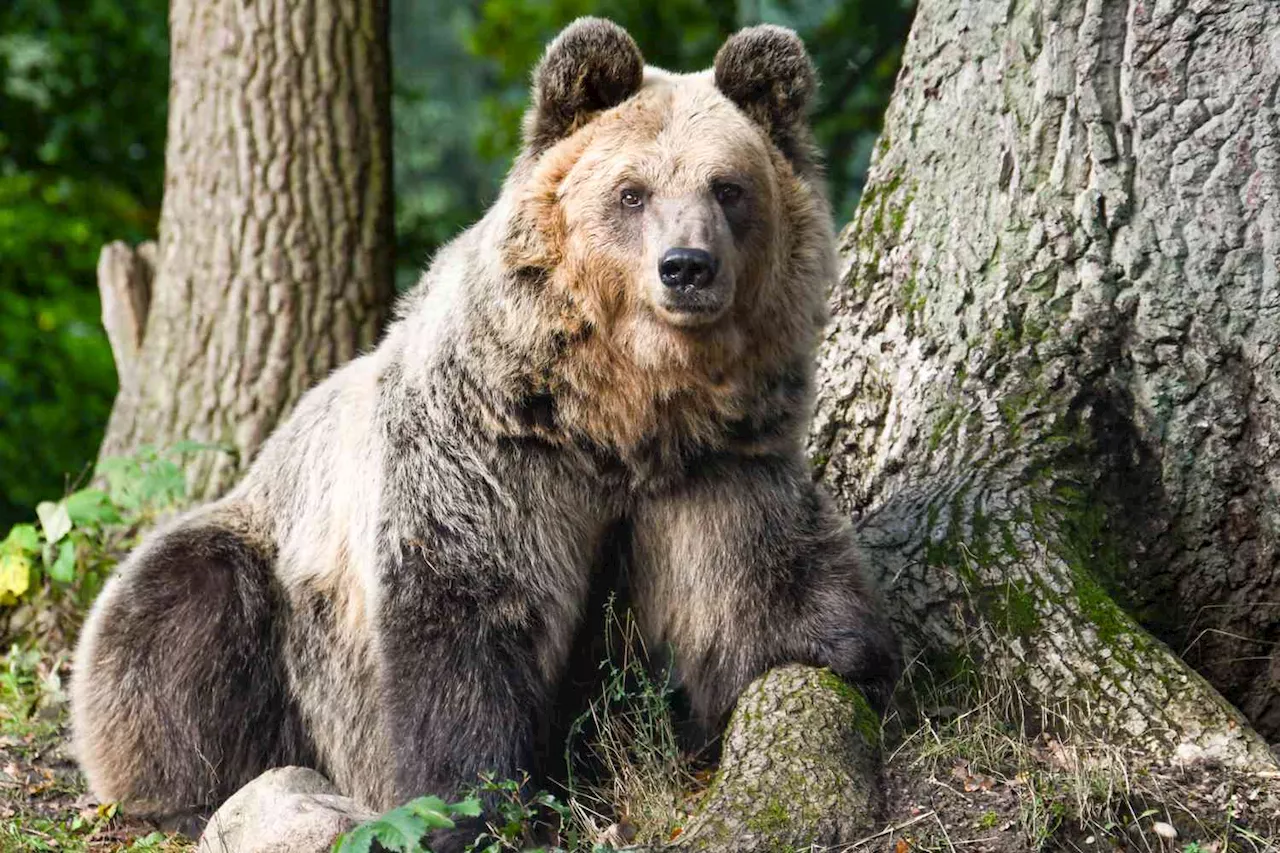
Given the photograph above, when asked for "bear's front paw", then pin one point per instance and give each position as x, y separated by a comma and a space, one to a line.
871, 662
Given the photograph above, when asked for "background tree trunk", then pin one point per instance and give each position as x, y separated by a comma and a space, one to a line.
275, 255
1050, 390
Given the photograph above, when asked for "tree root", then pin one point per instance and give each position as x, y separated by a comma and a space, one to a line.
801, 767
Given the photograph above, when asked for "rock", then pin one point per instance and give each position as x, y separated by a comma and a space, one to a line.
285, 810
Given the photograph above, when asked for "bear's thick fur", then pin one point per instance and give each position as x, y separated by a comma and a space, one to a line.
616, 360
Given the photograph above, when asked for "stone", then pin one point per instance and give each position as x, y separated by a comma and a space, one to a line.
285, 810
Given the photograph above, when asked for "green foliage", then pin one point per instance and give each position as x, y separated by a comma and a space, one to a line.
23, 684
403, 828
514, 821
82, 95
67, 554
624, 757
517, 821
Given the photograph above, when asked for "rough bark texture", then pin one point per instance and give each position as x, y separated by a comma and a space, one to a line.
124, 283
800, 768
1051, 386
274, 262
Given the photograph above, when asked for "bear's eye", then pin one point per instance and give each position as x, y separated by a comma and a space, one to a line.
632, 198
727, 193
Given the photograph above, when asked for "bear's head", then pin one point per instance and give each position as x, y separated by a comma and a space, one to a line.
678, 224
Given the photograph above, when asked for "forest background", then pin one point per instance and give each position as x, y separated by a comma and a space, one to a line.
83, 96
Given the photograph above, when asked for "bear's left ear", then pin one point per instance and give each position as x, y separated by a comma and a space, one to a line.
591, 66
766, 71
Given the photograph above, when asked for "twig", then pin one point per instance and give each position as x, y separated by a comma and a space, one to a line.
888, 830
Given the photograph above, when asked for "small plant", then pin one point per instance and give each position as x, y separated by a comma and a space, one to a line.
402, 829
516, 821
628, 733
27, 680
68, 553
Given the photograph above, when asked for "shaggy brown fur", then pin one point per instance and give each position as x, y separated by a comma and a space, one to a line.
610, 373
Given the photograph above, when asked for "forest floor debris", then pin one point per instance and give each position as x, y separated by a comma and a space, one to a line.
43, 803
956, 782
993, 778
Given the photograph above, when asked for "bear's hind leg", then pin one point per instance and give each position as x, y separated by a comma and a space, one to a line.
178, 695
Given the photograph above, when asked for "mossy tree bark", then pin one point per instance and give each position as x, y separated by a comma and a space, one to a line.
800, 768
1051, 391
274, 262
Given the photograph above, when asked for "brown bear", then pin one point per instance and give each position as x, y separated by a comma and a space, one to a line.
613, 366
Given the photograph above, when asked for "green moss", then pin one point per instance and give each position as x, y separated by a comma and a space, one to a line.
1008, 545
1015, 610
875, 204
773, 818
943, 426
865, 719
898, 216
1077, 520
1012, 408
883, 144
1108, 619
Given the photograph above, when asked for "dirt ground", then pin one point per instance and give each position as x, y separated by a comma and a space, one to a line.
952, 791
43, 804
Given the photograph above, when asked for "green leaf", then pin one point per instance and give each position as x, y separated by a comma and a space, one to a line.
359, 840
403, 829
467, 808
115, 466
63, 569
435, 812
436, 820
54, 520
425, 804
123, 476
91, 507
164, 482
22, 537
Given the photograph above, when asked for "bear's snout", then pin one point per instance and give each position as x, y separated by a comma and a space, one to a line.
687, 269
693, 291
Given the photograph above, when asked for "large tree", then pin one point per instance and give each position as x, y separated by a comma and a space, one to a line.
1050, 394
274, 261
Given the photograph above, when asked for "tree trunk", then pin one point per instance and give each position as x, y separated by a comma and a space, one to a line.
800, 768
1051, 390
274, 262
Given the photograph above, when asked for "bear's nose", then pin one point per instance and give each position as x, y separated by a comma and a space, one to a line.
687, 268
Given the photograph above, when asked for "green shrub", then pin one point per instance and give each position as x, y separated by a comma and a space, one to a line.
58, 563
402, 829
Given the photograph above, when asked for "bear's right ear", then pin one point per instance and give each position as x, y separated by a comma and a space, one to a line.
591, 66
